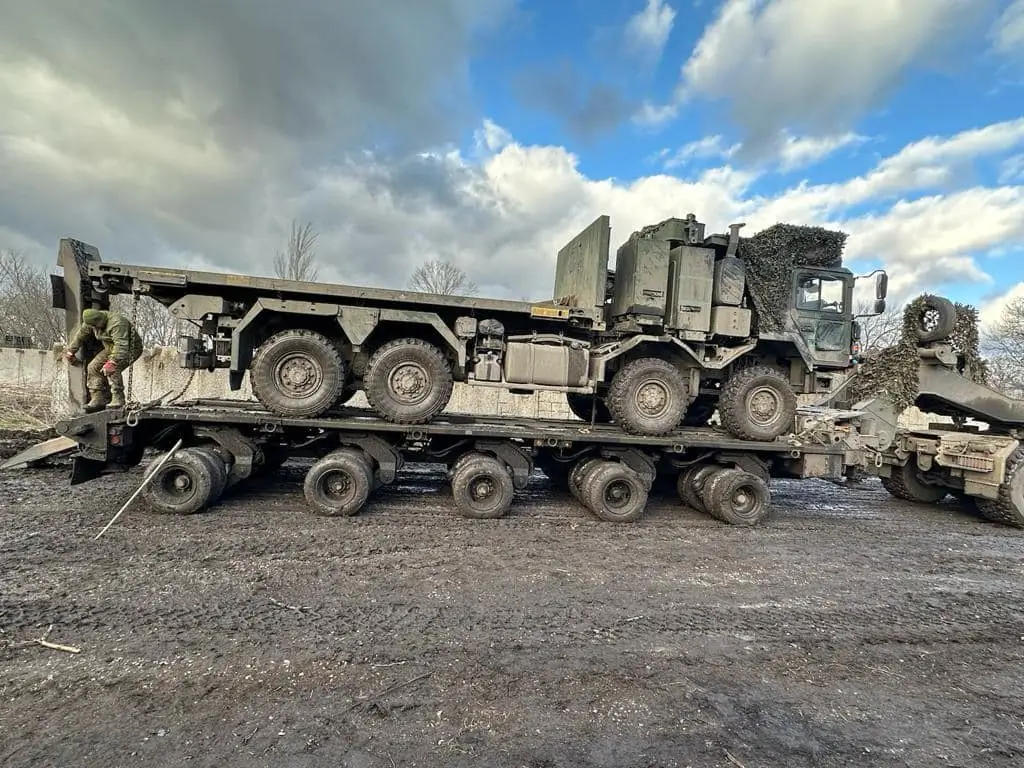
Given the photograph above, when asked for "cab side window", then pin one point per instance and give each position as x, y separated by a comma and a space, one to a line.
817, 294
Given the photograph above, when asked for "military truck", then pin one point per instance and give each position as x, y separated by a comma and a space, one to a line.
666, 337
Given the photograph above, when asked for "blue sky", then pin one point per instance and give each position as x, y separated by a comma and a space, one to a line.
488, 132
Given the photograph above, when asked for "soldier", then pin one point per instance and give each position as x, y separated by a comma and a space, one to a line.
122, 346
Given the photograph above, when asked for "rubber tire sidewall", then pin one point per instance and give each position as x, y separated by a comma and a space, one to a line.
727, 485
317, 346
947, 320
394, 354
201, 473
470, 469
622, 390
597, 481
733, 409
353, 463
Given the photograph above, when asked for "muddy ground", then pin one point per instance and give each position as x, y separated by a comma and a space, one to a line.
851, 629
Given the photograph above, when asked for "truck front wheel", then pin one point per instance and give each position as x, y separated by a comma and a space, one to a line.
408, 381
297, 373
757, 403
647, 396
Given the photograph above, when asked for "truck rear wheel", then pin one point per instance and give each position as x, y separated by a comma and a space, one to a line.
218, 471
614, 492
182, 486
297, 373
1008, 509
757, 403
579, 473
339, 484
647, 396
408, 381
482, 487
740, 498
905, 483
584, 407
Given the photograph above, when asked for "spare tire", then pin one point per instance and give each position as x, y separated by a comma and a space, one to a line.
934, 319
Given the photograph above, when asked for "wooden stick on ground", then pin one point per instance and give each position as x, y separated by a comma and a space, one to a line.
46, 643
145, 481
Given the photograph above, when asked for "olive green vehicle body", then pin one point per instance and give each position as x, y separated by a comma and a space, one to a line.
674, 295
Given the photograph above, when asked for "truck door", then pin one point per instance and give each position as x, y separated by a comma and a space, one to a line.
824, 316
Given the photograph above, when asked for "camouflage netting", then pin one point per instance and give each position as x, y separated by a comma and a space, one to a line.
770, 257
892, 373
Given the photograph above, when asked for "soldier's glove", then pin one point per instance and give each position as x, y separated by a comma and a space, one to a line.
71, 357
109, 367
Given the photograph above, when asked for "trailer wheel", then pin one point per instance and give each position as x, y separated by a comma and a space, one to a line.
408, 381
339, 484
482, 487
218, 471
647, 396
757, 403
691, 482
182, 486
906, 484
1008, 509
297, 373
578, 475
614, 492
708, 488
584, 407
740, 498
934, 319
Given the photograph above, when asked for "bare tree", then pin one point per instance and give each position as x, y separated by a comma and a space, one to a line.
26, 314
443, 278
296, 261
154, 322
880, 331
1003, 346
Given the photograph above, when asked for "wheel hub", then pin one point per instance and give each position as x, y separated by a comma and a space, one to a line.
618, 494
652, 398
764, 405
482, 489
408, 382
337, 485
298, 375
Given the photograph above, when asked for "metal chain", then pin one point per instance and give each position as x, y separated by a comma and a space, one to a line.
131, 351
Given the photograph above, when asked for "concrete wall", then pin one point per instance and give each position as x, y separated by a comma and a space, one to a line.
156, 374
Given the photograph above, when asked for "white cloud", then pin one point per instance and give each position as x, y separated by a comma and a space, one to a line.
707, 147
1012, 169
648, 31
990, 312
800, 152
1008, 32
792, 63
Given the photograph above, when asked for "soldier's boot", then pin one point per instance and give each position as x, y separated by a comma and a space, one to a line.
116, 399
97, 402
116, 383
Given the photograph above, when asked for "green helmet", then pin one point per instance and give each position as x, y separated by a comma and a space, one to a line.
93, 317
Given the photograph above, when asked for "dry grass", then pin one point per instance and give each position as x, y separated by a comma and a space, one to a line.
25, 408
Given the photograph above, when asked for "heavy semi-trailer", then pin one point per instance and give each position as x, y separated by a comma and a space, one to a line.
672, 333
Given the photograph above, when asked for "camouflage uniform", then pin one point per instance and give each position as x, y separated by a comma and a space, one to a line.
122, 346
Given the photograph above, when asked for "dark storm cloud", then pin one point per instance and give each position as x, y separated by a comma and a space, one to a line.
588, 110
191, 124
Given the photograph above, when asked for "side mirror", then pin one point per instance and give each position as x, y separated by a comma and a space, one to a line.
879, 306
881, 287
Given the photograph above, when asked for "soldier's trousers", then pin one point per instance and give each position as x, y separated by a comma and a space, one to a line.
102, 383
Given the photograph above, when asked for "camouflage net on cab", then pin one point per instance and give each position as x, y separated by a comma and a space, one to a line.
891, 374
770, 257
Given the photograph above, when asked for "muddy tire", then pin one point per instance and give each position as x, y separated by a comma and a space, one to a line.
614, 492
906, 484
182, 486
583, 407
297, 373
482, 487
218, 471
579, 473
339, 484
708, 489
757, 403
691, 482
700, 411
408, 381
648, 397
935, 320
740, 498
1008, 509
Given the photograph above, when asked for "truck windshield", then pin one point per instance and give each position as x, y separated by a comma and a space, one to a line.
820, 294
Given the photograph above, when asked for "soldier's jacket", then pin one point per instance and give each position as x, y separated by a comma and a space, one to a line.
121, 342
